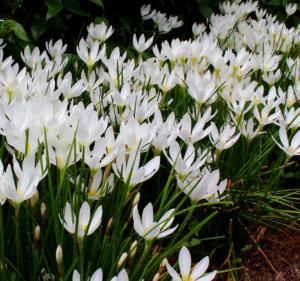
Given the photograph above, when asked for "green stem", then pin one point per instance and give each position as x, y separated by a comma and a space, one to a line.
2, 247
147, 248
184, 223
18, 253
81, 258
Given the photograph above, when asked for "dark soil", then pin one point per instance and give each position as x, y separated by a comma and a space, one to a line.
276, 257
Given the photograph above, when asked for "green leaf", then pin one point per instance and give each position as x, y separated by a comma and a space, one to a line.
205, 10
75, 7
98, 2
16, 28
98, 20
38, 27
54, 8
274, 3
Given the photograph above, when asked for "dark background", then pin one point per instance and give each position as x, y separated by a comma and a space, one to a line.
36, 21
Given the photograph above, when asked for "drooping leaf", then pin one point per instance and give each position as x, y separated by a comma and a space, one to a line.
75, 7
98, 2
205, 10
54, 7
16, 28
38, 27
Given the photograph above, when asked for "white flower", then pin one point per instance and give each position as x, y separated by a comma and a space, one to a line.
290, 148
148, 228
146, 12
97, 275
225, 138
186, 164
86, 124
128, 169
57, 49
198, 29
203, 186
141, 44
90, 54
28, 178
122, 276
98, 188
86, 224
99, 32
190, 135
291, 8
186, 272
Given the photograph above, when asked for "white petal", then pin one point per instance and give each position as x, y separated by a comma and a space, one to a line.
200, 268
76, 276
208, 277
184, 261
283, 137
84, 216
96, 220
147, 216
175, 276
137, 224
167, 232
97, 276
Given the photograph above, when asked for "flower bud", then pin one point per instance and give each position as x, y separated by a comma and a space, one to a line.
136, 199
122, 260
162, 266
34, 199
109, 225
133, 248
156, 277
36, 233
43, 209
59, 254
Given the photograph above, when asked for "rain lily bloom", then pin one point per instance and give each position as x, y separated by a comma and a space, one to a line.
86, 224
201, 186
97, 275
122, 276
146, 227
291, 9
28, 178
186, 164
187, 273
224, 139
128, 169
99, 186
90, 54
99, 32
141, 44
290, 148
56, 49
190, 135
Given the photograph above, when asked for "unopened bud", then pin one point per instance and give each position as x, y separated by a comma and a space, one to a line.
75, 65
136, 199
34, 199
133, 249
59, 254
122, 260
36, 233
109, 225
156, 277
43, 209
156, 249
162, 266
